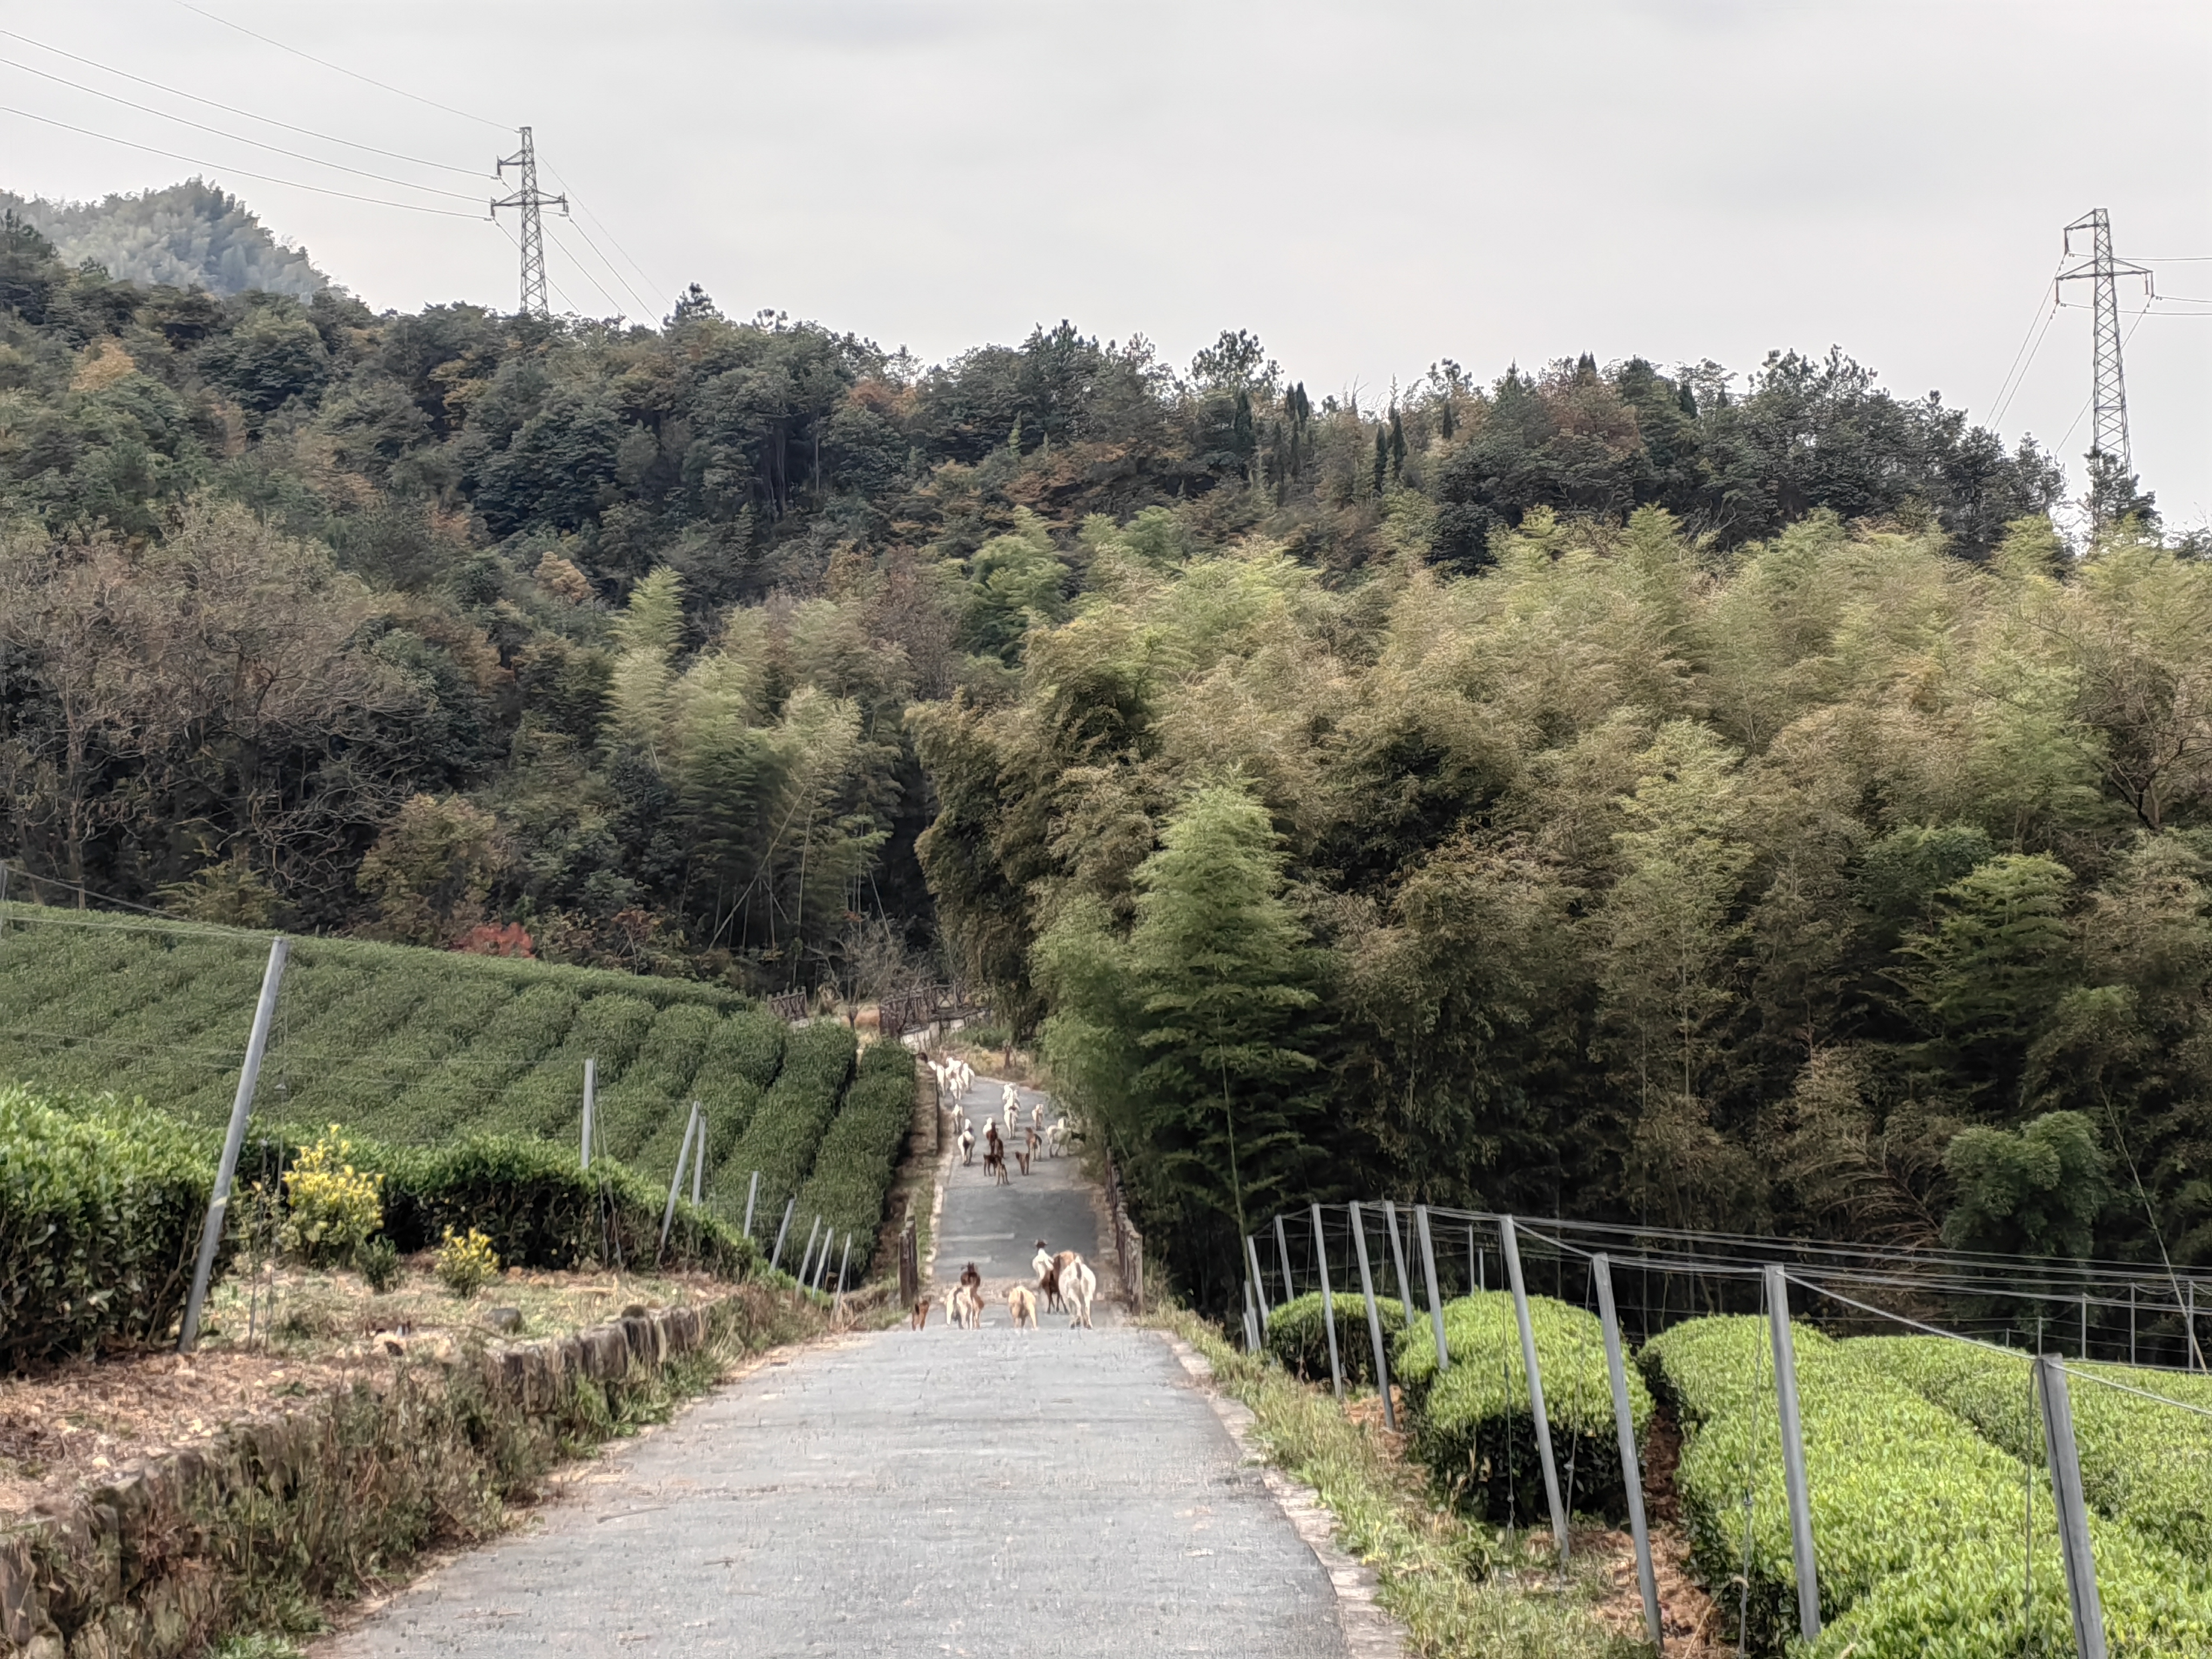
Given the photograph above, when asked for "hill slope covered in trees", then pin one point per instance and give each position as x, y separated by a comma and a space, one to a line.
188, 235
1650, 790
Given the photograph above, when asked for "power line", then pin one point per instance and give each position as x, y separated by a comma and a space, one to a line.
529, 200
604, 292
615, 305
584, 208
233, 109
236, 137
240, 172
340, 69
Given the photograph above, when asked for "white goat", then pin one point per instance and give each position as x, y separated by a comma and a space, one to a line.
1077, 1286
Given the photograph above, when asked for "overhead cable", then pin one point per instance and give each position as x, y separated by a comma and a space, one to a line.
237, 138
233, 109
240, 172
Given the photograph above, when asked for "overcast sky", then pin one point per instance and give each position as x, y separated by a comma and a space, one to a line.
1369, 187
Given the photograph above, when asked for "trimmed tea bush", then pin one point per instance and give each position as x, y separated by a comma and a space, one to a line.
787, 1127
1917, 1520
859, 1154
2141, 1463
1473, 1426
1298, 1335
100, 1212
539, 1209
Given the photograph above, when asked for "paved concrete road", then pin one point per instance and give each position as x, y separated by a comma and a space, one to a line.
998, 1227
987, 1494
997, 1493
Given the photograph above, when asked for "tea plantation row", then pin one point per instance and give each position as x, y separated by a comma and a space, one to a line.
1932, 1516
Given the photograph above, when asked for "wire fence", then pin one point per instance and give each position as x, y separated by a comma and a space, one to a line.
1872, 1436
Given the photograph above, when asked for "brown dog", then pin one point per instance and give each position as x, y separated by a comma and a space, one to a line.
921, 1312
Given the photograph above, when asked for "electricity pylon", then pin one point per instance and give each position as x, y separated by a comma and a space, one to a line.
529, 200
2103, 272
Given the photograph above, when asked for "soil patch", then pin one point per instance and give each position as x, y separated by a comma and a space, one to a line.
271, 1340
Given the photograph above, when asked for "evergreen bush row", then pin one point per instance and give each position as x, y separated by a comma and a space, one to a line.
100, 1213
787, 1127
858, 1156
1472, 1424
1929, 1540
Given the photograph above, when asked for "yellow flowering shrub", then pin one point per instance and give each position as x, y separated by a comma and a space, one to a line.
466, 1261
330, 1208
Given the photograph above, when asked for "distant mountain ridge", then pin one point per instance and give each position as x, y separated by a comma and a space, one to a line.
191, 234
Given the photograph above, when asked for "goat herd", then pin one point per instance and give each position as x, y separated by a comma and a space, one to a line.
954, 1078
1065, 1281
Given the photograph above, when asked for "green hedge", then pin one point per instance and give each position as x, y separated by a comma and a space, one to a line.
540, 1209
1917, 1520
2141, 1463
100, 1212
1471, 1424
859, 1154
787, 1128
1298, 1335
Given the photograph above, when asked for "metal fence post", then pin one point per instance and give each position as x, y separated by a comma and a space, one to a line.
699, 1159
752, 1192
1328, 1305
1258, 1285
1631, 1472
241, 1104
1793, 1454
1510, 1242
1429, 1269
676, 1181
591, 1098
1283, 1255
2073, 1513
1374, 1316
776, 1254
1398, 1259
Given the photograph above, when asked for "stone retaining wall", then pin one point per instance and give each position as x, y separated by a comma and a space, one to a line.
120, 1570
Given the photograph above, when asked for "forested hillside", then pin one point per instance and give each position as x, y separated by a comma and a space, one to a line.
1651, 790
188, 235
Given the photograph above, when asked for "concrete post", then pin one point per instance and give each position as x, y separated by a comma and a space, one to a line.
752, 1192
1374, 1317
1259, 1285
591, 1099
1624, 1421
1283, 1256
1793, 1455
242, 1106
1327, 1305
789, 1204
2081, 1596
1436, 1300
1510, 1242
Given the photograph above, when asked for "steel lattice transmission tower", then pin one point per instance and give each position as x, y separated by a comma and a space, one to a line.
2103, 272
529, 199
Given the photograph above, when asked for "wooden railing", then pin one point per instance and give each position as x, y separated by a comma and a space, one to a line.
926, 1006
1128, 1242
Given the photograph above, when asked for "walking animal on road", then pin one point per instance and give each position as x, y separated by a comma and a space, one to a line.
1048, 1272
967, 1142
920, 1316
1021, 1303
1077, 1286
967, 1308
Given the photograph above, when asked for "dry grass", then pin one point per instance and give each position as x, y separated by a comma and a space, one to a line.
272, 1339
1462, 1590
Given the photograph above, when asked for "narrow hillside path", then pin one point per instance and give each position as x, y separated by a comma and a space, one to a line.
987, 1494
